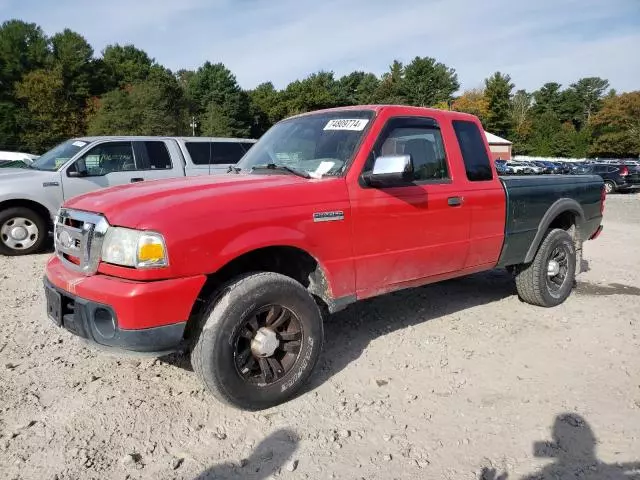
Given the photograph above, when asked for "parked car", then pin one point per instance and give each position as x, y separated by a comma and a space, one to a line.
30, 197
13, 164
582, 169
518, 168
328, 208
548, 167
16, 159
564, 167
501, 167
530, 166
617, 178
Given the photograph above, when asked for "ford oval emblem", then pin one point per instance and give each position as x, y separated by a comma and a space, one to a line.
65, 239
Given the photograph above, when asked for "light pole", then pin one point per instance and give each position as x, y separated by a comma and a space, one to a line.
193, 126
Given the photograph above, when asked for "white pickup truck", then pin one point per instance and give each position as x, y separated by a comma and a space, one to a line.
30, 197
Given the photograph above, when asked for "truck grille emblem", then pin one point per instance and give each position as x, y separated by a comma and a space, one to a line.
79, 235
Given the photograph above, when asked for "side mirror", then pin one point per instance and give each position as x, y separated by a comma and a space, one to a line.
77, 170
390, 170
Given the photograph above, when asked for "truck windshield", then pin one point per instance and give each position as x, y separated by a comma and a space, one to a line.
58, 155
318, 144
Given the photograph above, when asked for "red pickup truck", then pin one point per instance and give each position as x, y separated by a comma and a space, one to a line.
328, 208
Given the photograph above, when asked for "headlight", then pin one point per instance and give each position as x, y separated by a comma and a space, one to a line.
134, 248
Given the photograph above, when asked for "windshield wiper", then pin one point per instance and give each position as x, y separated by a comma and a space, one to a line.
233, 169
285, 168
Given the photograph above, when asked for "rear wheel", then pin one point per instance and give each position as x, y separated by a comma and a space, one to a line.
609, 186
22, 231
549, 279
261, 338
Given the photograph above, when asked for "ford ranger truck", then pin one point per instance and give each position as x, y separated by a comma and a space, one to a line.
328, 208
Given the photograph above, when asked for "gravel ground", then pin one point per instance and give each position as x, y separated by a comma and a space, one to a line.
458, 380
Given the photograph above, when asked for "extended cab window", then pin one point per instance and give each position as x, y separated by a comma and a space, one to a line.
107, 158
421, 140
474, 152
155, 155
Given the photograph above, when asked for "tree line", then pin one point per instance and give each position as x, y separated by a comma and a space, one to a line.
54, 88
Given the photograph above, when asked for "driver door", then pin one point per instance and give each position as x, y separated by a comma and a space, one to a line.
105, 165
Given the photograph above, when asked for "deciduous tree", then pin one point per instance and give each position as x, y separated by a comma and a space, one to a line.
23, 49
48, 117
151, 107
617, 127
474, 102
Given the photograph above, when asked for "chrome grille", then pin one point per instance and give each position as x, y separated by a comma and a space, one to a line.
79, 235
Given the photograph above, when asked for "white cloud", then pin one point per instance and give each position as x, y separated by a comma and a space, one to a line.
259, 40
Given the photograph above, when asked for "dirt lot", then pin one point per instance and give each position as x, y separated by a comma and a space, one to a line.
438, 382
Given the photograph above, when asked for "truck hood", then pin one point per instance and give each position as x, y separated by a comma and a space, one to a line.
145, 205
13, 174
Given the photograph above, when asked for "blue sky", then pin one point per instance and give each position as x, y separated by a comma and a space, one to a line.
535, 41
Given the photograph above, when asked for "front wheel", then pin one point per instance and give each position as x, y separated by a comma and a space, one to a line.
261, 338
22, 231
549, 279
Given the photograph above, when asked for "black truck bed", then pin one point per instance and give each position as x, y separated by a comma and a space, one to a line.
535, 204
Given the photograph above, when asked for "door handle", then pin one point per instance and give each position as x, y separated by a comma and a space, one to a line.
455, 201
137, 179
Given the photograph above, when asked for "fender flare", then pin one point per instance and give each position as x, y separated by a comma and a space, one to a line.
322, 282
559, 207
26, 198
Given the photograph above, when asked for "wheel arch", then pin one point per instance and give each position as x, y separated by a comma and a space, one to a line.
37, 207
566, 214
288, 260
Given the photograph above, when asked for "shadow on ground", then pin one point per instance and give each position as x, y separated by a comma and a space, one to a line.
593, 289
267, 459
573, 451
348, 333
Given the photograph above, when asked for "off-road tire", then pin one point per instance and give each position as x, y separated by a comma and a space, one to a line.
32, 216
531, 279
213, 353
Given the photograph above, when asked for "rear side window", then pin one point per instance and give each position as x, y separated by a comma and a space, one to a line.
200, 152
247, 145
155, 155
474, 153
217, 153
227, 152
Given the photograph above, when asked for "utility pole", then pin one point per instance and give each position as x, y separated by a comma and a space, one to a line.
193, 126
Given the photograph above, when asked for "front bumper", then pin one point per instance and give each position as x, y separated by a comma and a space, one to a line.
137, 316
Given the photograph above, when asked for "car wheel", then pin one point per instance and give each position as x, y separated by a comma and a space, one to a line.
548, 280
22, 231
609, 186
260, 340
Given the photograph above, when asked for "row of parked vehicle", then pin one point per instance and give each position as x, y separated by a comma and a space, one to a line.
531, 167
618, 175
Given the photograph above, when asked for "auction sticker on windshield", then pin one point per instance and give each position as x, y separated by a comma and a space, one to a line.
354, 124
